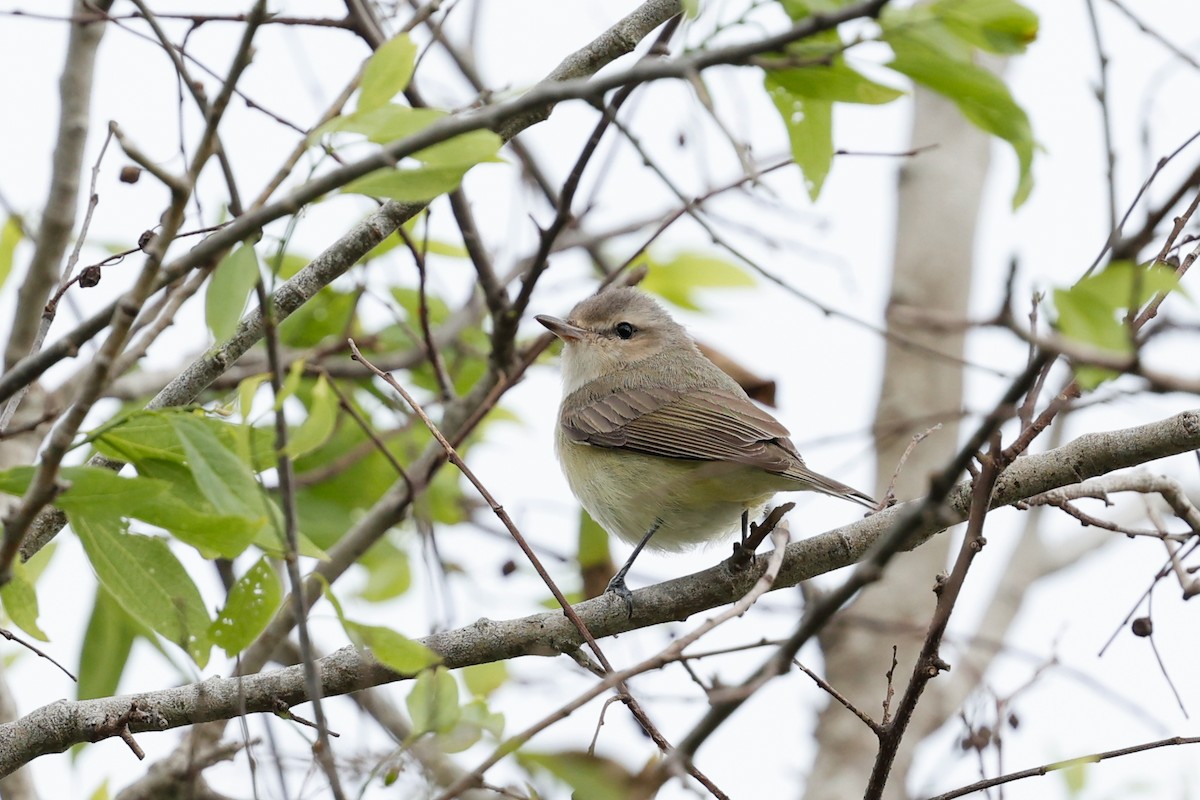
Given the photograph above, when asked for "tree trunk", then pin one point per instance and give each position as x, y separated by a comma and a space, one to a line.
938, 200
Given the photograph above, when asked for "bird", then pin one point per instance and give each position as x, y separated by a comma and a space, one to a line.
658, 444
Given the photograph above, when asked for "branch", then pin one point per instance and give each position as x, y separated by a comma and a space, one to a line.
56, 727
507, 118
332, 263
58, 215
1045, 769
45, 486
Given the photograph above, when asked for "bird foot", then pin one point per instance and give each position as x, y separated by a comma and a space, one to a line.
617, 586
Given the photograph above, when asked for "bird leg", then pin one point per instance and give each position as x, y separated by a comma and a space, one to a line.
739, 557
617, 584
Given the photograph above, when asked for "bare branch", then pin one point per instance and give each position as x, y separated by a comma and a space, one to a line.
58, 220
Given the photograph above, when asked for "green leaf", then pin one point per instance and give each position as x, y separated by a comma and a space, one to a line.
408, 185
191, 518
410, 301
799, 9
590, 776
1093, 311
326, 315
318, 427
20, 601
249, 606
141, 436
475, 719
931, 57
146, 578
804, 96
95, 490
388, 572
466, 149
246, 391
144, 436
270, 541
291, 383
442, 500
1087, 318
1075, 775
416, 229
16, 480
809, 123
433, 702
998, 26
1126, 285
483, 679
223, 478
394, 650
835, 82
593, 542
228, 290
285, 265
10, 236
384, 124
387, 72
38, 562
106, 646
677, 278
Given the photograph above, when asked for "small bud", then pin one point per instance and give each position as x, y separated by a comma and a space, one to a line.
89, 277
1142, 626
130, 174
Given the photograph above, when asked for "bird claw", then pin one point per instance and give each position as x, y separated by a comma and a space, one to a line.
617, 586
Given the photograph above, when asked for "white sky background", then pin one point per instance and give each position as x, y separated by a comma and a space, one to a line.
838, 251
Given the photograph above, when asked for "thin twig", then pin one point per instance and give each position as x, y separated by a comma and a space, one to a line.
875, 727
1054, 766
929, 663
64, 282
445, 385
672, 653
287, 495
509, 117
568, 609
12, 637
866, 572
1101, 90
889, 496
506, 327
457, 461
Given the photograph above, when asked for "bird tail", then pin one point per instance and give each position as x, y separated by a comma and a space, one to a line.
819, 483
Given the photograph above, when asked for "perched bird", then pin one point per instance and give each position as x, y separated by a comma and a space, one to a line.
657, 443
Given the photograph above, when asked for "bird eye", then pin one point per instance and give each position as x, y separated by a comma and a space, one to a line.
624, 330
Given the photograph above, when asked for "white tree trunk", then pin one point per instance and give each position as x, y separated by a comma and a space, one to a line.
939, 199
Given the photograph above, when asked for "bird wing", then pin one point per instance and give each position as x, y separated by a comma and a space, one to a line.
698, 424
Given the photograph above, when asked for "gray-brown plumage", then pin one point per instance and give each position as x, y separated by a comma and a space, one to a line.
652, 434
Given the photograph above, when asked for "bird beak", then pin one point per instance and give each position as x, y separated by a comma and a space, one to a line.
561, 328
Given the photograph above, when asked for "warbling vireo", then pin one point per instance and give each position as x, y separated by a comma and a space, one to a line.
655, 440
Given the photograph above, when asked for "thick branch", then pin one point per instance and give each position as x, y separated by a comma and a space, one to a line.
55, 727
